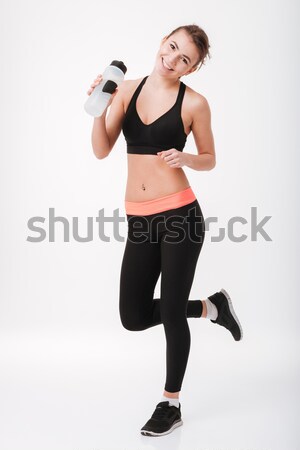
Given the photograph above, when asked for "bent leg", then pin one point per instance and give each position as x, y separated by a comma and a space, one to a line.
140, 270
141, 266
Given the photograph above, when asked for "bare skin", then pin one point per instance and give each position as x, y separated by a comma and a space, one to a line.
149, 176
153, 176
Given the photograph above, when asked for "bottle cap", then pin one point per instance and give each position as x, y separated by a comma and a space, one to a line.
120, 65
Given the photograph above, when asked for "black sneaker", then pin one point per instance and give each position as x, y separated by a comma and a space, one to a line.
226, 315
165, 419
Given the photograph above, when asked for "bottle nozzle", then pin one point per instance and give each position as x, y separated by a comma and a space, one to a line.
119, 64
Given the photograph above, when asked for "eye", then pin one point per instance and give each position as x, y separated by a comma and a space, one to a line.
173, 47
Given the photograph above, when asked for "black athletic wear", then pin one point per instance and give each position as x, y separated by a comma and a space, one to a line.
165, 419
166, 243
164, 133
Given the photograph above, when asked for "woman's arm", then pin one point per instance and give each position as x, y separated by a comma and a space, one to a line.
100, 139
106, 130
202, 132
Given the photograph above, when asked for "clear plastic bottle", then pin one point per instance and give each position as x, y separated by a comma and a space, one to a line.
112, 76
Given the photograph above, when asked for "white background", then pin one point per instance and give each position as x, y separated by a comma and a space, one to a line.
72, 378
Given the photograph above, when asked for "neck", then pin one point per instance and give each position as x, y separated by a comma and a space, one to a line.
158, 81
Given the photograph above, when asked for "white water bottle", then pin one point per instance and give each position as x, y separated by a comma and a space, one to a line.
112, 76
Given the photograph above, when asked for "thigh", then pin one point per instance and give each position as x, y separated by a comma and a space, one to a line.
180, 248
140, 270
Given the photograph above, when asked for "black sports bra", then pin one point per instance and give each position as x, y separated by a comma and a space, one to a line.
165, 132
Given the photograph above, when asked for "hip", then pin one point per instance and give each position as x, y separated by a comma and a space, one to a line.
162, 203
181, 223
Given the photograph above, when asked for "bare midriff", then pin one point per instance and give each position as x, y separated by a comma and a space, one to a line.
150, 177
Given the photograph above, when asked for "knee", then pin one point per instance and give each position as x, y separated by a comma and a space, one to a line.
132, 323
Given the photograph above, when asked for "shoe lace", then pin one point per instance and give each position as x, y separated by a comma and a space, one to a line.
161, 411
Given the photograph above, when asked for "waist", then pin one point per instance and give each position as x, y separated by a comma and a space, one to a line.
160, 204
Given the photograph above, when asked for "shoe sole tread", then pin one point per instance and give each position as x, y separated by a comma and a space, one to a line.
176, 424
232, 311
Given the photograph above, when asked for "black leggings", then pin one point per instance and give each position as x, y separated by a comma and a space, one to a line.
169, 243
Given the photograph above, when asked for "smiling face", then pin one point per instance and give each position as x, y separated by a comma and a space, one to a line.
177, 55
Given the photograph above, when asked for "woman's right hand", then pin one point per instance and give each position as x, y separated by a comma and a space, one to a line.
95, 83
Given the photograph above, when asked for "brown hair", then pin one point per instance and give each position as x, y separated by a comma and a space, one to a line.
200, 39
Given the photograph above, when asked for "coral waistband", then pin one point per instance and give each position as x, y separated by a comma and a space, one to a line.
160, 204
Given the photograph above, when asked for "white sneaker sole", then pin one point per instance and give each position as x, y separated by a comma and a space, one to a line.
152, 433
232, 310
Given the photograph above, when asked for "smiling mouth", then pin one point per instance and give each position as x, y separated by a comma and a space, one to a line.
166, 66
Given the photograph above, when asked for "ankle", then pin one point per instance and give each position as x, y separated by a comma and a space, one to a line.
172, 400
211, 311
171, 394
204, 309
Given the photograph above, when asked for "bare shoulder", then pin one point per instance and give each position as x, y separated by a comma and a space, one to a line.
196, 102
128, 85
126, 89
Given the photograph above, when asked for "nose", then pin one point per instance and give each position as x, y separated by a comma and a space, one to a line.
173, 59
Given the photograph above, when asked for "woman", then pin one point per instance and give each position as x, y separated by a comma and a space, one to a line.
156, 114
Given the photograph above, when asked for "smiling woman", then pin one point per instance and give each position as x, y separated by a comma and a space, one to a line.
156, 114
160, 128
199, 38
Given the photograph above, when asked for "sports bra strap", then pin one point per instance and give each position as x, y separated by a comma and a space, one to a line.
136, 92
181, 92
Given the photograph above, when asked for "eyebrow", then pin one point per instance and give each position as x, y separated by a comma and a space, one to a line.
182, 55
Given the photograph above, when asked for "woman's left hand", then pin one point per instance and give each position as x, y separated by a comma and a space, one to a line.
173, 157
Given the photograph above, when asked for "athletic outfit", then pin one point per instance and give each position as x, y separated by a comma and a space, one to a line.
165, 132
165, 236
